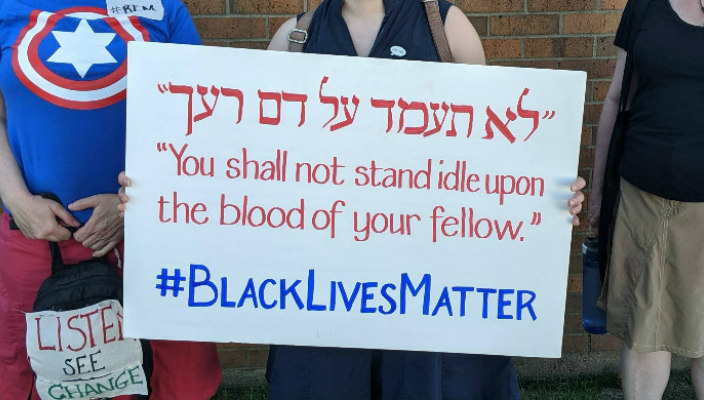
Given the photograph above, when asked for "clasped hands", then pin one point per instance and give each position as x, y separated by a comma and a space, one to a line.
45, 219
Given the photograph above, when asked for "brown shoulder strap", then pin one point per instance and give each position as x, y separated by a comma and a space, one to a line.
298, 36
437, 29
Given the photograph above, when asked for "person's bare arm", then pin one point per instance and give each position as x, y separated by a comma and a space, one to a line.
607, 120
35, 216
463, 39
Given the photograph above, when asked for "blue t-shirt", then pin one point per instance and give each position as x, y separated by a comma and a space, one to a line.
404, 33
62, 75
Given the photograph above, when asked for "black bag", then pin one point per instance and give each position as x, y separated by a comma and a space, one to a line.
79, 285
611, 191
75, 286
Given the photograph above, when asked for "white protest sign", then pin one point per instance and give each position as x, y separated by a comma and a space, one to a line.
83, 354
351, 202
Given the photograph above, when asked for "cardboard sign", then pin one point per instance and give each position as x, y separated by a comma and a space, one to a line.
83, 354
350, 202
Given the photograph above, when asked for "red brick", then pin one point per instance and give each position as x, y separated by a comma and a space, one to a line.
313, 4
586, 157
477, 6
551, 64
506, 25
577, 343
480, 24
559, 47
544, 47
258, 357
573, 324
596, 68
592, 112
575, 263
231, 28
561, 5
576, 259
583, 225
218, 43
584, 220
613, 4
233, 359
267, 6
600, 90
605, 46
586, 173
574, 283
233, 346
260, 45
196, 7
587, 193
576, 245
588, 93
574, 303
275, 23
579, 47
586, 136
603, 22
605, 343
502, 48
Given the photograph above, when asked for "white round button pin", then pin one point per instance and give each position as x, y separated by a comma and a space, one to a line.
398, 51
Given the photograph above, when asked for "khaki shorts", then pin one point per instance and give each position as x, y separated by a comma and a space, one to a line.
654, 289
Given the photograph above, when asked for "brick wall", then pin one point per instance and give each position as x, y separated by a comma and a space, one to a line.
558, 34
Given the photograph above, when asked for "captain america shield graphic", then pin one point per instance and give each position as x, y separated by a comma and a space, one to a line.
76, 58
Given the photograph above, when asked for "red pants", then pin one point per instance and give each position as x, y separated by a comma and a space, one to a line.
182, 370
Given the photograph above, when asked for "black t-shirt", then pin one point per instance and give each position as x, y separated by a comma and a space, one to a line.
664, 148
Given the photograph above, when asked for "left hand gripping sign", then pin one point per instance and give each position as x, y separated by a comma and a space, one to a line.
82, 354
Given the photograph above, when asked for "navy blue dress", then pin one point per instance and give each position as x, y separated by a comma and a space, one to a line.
405, 27
322, 373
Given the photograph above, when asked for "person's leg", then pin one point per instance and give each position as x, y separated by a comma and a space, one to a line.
184, 370
645, 375
318, 373
479, 377
697, 367
407, 375
24, 264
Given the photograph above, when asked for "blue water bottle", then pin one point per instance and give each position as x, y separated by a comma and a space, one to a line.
593, 318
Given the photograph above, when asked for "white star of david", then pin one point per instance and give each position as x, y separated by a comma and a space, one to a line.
82, 48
